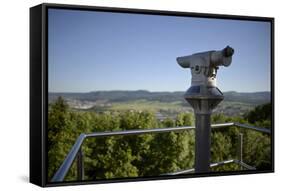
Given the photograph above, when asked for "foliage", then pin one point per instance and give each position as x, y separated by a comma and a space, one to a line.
260, 114
147, 154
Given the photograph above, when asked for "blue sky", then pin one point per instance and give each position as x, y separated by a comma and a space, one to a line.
91, 51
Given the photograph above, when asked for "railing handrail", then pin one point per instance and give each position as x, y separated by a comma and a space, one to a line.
65, 166
214, 165
259, 129
192, 169
138, 131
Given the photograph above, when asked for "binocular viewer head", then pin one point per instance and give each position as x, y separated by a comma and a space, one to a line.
204, 65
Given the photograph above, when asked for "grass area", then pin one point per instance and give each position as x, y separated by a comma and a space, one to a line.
232, 108
144, 105
169, 109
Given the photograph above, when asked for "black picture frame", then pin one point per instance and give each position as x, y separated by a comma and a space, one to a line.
39, 89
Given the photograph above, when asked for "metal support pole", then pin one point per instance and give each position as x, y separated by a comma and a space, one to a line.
202, 143
80, 165
240, 149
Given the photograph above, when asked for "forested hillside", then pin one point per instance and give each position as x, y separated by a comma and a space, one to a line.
162, 104
124, 96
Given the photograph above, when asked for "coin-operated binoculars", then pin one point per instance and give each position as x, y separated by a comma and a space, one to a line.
204, 96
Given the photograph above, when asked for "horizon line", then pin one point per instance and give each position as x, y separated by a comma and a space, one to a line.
150, 91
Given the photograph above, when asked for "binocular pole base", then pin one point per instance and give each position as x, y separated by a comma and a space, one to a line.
203, 99
202, 143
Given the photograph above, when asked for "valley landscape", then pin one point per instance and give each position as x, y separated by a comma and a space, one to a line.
162, 104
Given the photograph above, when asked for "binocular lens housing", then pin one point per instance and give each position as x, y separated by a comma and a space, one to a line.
228, 51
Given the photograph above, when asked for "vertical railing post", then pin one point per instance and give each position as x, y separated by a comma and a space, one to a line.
240, 149
80, 165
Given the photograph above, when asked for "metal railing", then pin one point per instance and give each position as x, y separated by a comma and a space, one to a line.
76, 151
242, 164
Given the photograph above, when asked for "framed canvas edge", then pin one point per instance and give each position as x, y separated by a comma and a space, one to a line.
43, 51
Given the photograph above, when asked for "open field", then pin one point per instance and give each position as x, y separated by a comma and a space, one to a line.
162, 104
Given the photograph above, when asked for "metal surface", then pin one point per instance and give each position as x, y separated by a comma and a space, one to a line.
202, 143
62, 171
222, 163
192, 169
65, 166
204, 96
242, 164
221, 125
204, 65
203, 103
139, 131
240, 148
80, 165
248, 167
260, 129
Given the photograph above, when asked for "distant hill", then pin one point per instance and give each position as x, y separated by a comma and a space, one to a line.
252, 98
255, 98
